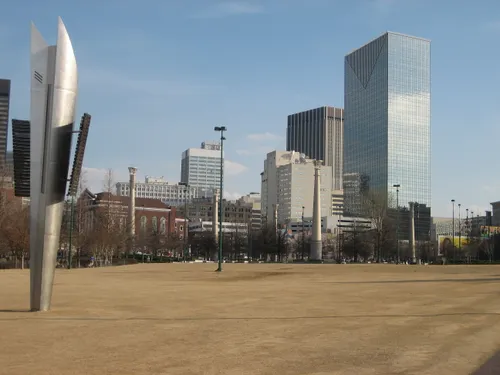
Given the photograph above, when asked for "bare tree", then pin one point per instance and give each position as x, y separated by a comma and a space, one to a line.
357, 243
108, 235
15, 231
271, 244
109, 181
301, 246
203, 245
174, 244
375, 206
330, 245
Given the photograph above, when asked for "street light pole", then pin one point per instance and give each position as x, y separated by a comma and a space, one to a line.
453, 227
459, 227
186, 190
397, 186
185, 221
71, 221
221, 129
303, 235
471, 222
467, 224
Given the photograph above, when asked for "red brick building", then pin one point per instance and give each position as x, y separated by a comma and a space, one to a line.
151, 215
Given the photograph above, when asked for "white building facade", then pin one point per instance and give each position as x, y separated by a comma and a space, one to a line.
158, 188
296, 190
201, 167
287, 185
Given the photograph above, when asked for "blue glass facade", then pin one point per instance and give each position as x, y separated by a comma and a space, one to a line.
387, 117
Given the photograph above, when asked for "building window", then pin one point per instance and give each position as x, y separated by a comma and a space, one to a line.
154, 222
163, 225
144, 223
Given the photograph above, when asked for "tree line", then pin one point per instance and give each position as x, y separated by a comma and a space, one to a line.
106, 241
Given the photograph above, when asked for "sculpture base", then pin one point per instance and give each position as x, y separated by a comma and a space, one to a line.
316, 253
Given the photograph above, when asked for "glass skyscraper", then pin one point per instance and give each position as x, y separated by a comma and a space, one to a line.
387, 118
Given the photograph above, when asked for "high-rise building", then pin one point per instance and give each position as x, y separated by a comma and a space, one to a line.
296, 191
387, 126
269, 181
200, 167
318, 133
287, 185
4, 117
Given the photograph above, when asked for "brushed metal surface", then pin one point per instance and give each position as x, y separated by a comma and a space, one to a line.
52, 115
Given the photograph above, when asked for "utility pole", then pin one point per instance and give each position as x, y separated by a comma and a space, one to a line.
221, 129
303, 235
459, 228
453, 228
71, 223
397, 186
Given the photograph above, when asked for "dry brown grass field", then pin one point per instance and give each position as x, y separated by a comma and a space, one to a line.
254, 319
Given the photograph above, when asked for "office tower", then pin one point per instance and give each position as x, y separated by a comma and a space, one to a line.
387, 126
318, 133
54, 86
200, 167
287, 186
4, 118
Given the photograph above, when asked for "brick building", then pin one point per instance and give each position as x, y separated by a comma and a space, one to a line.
151, 215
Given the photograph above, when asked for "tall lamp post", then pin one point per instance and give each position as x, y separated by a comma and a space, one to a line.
186, 190
453, 227
303, 235
471, 223
221, 129
459, 227
467, 232
397, 186
71, 224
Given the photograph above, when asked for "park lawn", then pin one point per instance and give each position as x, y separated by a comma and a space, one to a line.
254, 319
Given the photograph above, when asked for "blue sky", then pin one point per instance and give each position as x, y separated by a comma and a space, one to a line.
158, 75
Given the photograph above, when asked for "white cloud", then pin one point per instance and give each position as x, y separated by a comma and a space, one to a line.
230, 8
231, 196
260, 137
232, 168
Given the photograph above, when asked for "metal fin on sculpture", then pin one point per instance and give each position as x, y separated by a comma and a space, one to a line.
65, 59
38, 43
